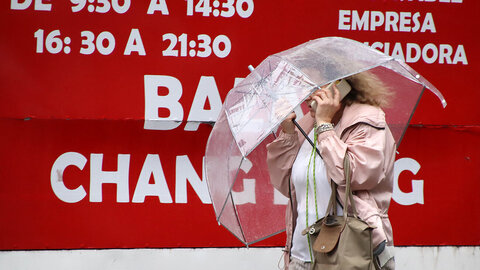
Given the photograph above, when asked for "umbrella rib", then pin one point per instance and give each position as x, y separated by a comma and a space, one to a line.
417, 77
236, 215
263, 238
244, 242
411, 116
233, 204
231, 186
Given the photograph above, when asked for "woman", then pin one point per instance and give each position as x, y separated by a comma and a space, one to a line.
355, 126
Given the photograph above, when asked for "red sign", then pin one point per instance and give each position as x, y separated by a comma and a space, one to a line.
106, 107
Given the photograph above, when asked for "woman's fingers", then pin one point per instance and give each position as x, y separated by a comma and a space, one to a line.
287, 124
318, 99
328, 105
323, 95
336, 94
291, 116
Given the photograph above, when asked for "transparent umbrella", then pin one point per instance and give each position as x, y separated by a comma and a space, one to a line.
236, 171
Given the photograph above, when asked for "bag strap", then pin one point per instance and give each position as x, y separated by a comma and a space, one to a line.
332, 203
348, 190
332, 209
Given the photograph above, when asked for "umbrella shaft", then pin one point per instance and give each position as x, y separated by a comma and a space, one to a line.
306, 136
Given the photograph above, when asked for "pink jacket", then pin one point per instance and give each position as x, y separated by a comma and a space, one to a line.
362, 133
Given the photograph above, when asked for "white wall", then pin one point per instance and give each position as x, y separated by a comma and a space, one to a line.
408, 258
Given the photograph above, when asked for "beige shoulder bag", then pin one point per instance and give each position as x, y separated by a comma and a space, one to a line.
342, 242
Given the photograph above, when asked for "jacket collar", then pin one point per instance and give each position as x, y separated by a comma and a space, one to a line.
361, 113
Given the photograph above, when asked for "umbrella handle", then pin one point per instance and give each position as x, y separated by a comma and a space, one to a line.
306, 136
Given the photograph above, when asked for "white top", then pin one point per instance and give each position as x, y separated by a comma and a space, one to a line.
299, 178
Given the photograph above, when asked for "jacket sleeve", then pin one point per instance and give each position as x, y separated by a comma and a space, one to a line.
365, 146
281, 154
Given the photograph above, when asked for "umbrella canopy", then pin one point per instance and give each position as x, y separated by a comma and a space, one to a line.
236, 171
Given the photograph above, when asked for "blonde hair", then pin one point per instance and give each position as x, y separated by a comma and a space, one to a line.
367, 88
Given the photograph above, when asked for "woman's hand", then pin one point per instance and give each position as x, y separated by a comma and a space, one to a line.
287, 124
328, 104
282, 107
